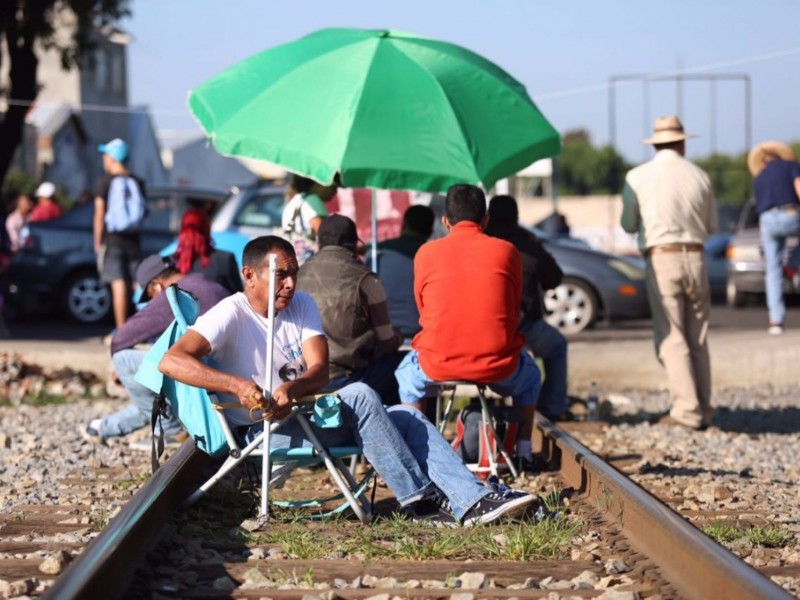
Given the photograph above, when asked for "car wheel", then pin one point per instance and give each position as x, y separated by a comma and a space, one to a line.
571, 307
86, 299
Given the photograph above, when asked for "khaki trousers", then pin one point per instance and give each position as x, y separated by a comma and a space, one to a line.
680, 300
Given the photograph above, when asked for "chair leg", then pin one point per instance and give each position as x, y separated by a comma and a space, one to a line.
488, 423
340, 474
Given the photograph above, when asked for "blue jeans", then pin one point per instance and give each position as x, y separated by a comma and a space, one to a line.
547, 343
403, 446
137, 413
775, 226
523, 385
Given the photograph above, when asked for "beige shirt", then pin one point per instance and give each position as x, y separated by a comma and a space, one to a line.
668, 200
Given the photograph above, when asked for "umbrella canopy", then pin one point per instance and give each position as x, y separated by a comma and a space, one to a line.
385, 109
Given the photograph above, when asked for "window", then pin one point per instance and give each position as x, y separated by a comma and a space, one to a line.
159, 214
261, 211
100, 70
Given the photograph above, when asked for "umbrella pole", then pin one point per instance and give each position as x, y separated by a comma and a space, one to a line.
374, 245
273, 267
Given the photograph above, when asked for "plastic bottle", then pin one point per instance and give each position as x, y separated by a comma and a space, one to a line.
593, 403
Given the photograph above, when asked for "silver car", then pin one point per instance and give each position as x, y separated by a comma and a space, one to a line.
746, 262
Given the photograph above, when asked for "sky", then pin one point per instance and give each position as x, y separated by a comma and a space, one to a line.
565, 52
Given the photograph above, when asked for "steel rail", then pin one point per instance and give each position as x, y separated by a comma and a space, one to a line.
106, 566
697, 566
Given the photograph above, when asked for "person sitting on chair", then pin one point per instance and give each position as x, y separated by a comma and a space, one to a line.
153, 275
355, 313
396, 267
195, 252
539, 272
468, 288
429, 480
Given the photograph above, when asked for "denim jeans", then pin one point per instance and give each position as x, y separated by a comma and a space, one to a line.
137, 413
403, 446
523, 385
775, 226
547, 343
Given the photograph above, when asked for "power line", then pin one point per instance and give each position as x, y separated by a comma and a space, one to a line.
666, 74
167, 112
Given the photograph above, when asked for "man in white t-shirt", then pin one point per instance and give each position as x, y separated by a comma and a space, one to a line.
428, 478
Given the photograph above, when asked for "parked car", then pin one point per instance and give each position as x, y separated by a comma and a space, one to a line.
597, 286
745, 264
716, 249
56, 267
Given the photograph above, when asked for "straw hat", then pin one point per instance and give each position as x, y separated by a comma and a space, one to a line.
758, 156
666, 130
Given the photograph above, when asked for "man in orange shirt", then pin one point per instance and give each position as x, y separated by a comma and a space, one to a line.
468, 288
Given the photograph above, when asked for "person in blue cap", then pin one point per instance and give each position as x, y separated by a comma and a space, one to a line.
118, 215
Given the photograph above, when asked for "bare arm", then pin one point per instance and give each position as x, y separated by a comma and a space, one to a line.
797, 187
99, 223
314, 224
316, 377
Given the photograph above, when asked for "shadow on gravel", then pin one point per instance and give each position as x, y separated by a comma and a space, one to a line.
757, 420
738, 420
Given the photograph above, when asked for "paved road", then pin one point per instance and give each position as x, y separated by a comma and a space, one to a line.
616, 356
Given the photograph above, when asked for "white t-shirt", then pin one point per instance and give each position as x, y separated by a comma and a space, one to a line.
238, 338
296, 223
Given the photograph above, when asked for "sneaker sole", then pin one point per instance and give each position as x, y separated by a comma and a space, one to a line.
509, 510
92, 439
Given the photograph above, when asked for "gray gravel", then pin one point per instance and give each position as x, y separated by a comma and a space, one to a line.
745, 463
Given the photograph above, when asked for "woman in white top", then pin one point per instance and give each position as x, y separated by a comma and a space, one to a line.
303, 213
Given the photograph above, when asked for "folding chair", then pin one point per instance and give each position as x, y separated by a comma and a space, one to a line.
202, 416
491, 444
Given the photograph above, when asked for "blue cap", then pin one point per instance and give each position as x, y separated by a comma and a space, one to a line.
116, 149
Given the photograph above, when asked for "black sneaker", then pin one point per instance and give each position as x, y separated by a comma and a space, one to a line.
434, 511
494, 506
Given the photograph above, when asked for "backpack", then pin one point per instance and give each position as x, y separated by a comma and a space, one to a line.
192, 406
125, 209
470, 441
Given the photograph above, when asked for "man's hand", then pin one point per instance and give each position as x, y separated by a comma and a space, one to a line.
282, 400
251, 397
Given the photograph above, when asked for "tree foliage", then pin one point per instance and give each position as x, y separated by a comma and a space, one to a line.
27, 24
584, 169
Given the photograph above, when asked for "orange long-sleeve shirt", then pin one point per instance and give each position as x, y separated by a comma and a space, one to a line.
468, 288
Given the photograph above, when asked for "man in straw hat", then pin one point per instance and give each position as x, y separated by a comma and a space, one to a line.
777, 188
669, 202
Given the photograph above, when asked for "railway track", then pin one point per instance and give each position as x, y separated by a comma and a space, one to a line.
655, 551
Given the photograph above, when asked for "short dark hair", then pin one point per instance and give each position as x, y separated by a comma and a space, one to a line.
419, 219
301, 184
503, 209
465, 202
257, 249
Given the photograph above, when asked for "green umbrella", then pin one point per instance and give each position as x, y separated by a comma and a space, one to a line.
385, 109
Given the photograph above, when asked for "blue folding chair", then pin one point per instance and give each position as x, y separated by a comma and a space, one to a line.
202, 416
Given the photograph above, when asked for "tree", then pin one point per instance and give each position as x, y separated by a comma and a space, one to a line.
584, 169
25, 26
730, 178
